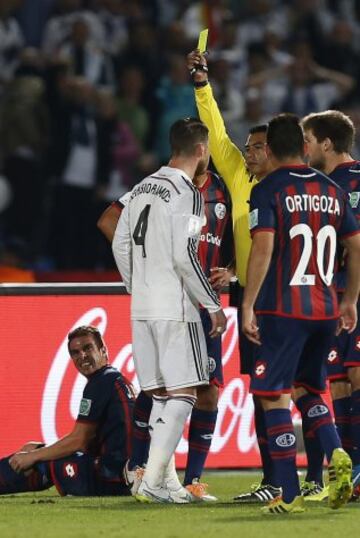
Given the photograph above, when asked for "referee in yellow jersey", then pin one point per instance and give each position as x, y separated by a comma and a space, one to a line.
240, 172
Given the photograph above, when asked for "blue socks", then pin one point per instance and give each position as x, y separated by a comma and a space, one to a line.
202, 426
342, 408
317, 417
282, 449
355, 426
141, 435
260, 428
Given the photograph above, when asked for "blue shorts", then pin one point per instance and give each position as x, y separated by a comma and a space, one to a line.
344, 353
80, 475
293, 352
213, 346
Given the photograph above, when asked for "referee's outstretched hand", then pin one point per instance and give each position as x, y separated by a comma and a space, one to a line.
196, 62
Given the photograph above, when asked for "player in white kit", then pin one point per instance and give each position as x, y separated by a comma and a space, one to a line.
156, 253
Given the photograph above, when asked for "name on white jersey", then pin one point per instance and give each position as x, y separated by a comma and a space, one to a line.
313, 202
152, 188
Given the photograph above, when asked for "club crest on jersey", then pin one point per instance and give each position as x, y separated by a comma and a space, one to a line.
354, 198
317, 411
220, 210
85, 406
70, 470
286, 439
253, 218
260, 369
212, 365
333, 357
357, 343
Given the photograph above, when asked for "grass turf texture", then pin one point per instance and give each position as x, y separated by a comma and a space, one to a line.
48, 515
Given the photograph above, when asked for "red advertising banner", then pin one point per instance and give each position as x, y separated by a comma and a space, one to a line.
40, 389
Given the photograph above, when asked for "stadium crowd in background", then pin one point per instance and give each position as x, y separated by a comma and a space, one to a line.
78, 128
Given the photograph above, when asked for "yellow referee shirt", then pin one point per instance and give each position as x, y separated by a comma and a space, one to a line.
230, 164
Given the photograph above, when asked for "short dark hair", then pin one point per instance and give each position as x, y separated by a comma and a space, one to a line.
86, 330
285, 137
262, 128
185, 134
334, 125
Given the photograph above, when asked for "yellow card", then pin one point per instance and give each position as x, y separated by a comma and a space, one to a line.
202, 43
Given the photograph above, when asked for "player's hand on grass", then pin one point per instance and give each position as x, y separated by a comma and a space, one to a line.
219, 322
249, 325
194, 59
348, 317
22, 461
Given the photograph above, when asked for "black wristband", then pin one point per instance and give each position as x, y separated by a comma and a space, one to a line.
198, 67
200, 84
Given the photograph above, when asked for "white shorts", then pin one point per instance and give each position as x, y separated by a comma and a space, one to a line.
170, 354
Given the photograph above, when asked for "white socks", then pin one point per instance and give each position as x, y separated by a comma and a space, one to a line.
166, 432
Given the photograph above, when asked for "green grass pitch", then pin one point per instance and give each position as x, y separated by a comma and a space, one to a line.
46, 515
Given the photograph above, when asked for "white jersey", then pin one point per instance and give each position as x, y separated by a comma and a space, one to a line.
155, 248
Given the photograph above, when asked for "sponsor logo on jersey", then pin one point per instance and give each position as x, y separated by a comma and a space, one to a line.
333, 357
253, 218
70, 470
220, 210
212, 365
286, 439
85, 406
357, 343
210, 238
260, 369
317, 410
207, 436
354, 198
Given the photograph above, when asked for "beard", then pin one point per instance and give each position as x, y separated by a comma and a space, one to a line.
318, 162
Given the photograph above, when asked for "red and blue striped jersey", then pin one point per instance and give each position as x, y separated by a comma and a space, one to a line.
108, 401
308, 212
347, 176
217, 213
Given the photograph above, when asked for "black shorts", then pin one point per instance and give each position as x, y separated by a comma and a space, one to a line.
246, 348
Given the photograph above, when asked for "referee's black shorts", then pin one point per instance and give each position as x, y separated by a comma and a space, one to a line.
246, 348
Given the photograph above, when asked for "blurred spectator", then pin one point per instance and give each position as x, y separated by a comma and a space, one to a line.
205, 14
11, 40
58, 28
111, 14
129, 103
253, 115
119, 151
338, 52
82, 171
13, 262
120, 148
24, 133
303, 86
84, 58
226, 92
176, 100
